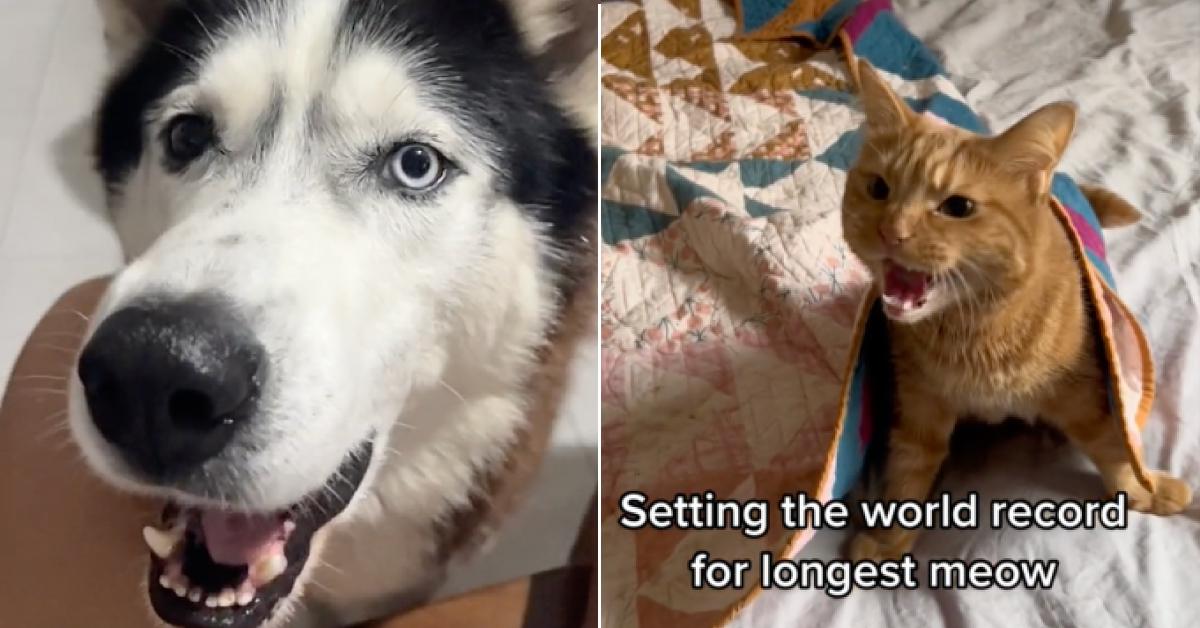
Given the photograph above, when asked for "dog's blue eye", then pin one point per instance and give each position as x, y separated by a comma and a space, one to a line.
417, 167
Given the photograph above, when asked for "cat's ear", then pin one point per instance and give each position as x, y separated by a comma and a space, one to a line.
884, 109
1035, 144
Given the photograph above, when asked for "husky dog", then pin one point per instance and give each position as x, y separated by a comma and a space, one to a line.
355, 230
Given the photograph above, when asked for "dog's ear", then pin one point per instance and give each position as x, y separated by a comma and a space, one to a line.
128, 23
561, 37
541, 21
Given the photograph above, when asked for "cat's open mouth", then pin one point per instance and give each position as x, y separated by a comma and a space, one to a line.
906, 292
210, 567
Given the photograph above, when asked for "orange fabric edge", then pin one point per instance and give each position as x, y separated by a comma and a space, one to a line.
1097, 288
851, 58
860, 323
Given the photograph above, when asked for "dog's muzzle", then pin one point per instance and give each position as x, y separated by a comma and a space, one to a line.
168, 383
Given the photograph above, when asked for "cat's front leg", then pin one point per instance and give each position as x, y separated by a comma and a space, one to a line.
1083, 415
918, 445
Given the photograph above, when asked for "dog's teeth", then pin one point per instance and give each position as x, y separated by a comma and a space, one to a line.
228, 597
164, 581
195, 594
211, 601
267, 569
245, 596
162, 542
180, 589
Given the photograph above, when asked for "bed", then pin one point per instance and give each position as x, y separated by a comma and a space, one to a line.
1134, 70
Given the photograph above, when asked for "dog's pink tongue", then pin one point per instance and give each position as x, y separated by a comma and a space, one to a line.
904, 285
238, 539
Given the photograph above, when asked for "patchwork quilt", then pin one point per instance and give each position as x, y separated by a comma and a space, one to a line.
732, 312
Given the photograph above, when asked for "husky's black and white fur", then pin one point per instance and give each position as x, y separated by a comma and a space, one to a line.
351, 227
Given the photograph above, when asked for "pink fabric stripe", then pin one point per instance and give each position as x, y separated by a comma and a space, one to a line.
863, 15
1087, 233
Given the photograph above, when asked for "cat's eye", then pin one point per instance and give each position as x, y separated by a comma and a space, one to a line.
415, 167
957, 207
187, 137
878, 188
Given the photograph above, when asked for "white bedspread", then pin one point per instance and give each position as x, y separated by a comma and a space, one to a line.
1134, 69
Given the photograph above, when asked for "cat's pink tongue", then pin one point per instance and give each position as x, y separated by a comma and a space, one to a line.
237, 539
903, 285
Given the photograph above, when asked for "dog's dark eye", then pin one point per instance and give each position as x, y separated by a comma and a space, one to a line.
416, 167
188, 136
878, 188
957, 207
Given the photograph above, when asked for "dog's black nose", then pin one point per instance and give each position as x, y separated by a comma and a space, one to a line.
167, 383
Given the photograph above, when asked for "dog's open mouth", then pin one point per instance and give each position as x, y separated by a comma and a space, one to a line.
212, 568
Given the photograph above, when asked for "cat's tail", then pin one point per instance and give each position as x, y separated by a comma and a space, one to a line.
1112, 210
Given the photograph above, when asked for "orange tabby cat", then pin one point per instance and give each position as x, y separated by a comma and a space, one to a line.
985, 301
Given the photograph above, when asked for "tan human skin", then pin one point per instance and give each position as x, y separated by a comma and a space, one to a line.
70, 543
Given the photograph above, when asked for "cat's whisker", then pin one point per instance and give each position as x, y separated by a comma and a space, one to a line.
950, 276
973, 305
977, 303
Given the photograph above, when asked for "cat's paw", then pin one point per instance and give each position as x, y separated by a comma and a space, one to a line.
1171, 494
866, 546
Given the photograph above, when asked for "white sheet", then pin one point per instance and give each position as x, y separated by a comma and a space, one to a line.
1134, 69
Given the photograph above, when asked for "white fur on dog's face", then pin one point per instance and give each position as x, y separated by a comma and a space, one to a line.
351, 286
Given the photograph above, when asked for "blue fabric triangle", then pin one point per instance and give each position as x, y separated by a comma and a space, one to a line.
759, 210
712, 167
844, 151
621, 221
756, 13
889, 46
761, 173
608, 158
685, 190
824, 94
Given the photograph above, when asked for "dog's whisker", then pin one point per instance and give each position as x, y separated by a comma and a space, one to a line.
69, 335
314, 582
52, 378
74, 312
60, 392
453, 391
44, 345
325, 563
58, 425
